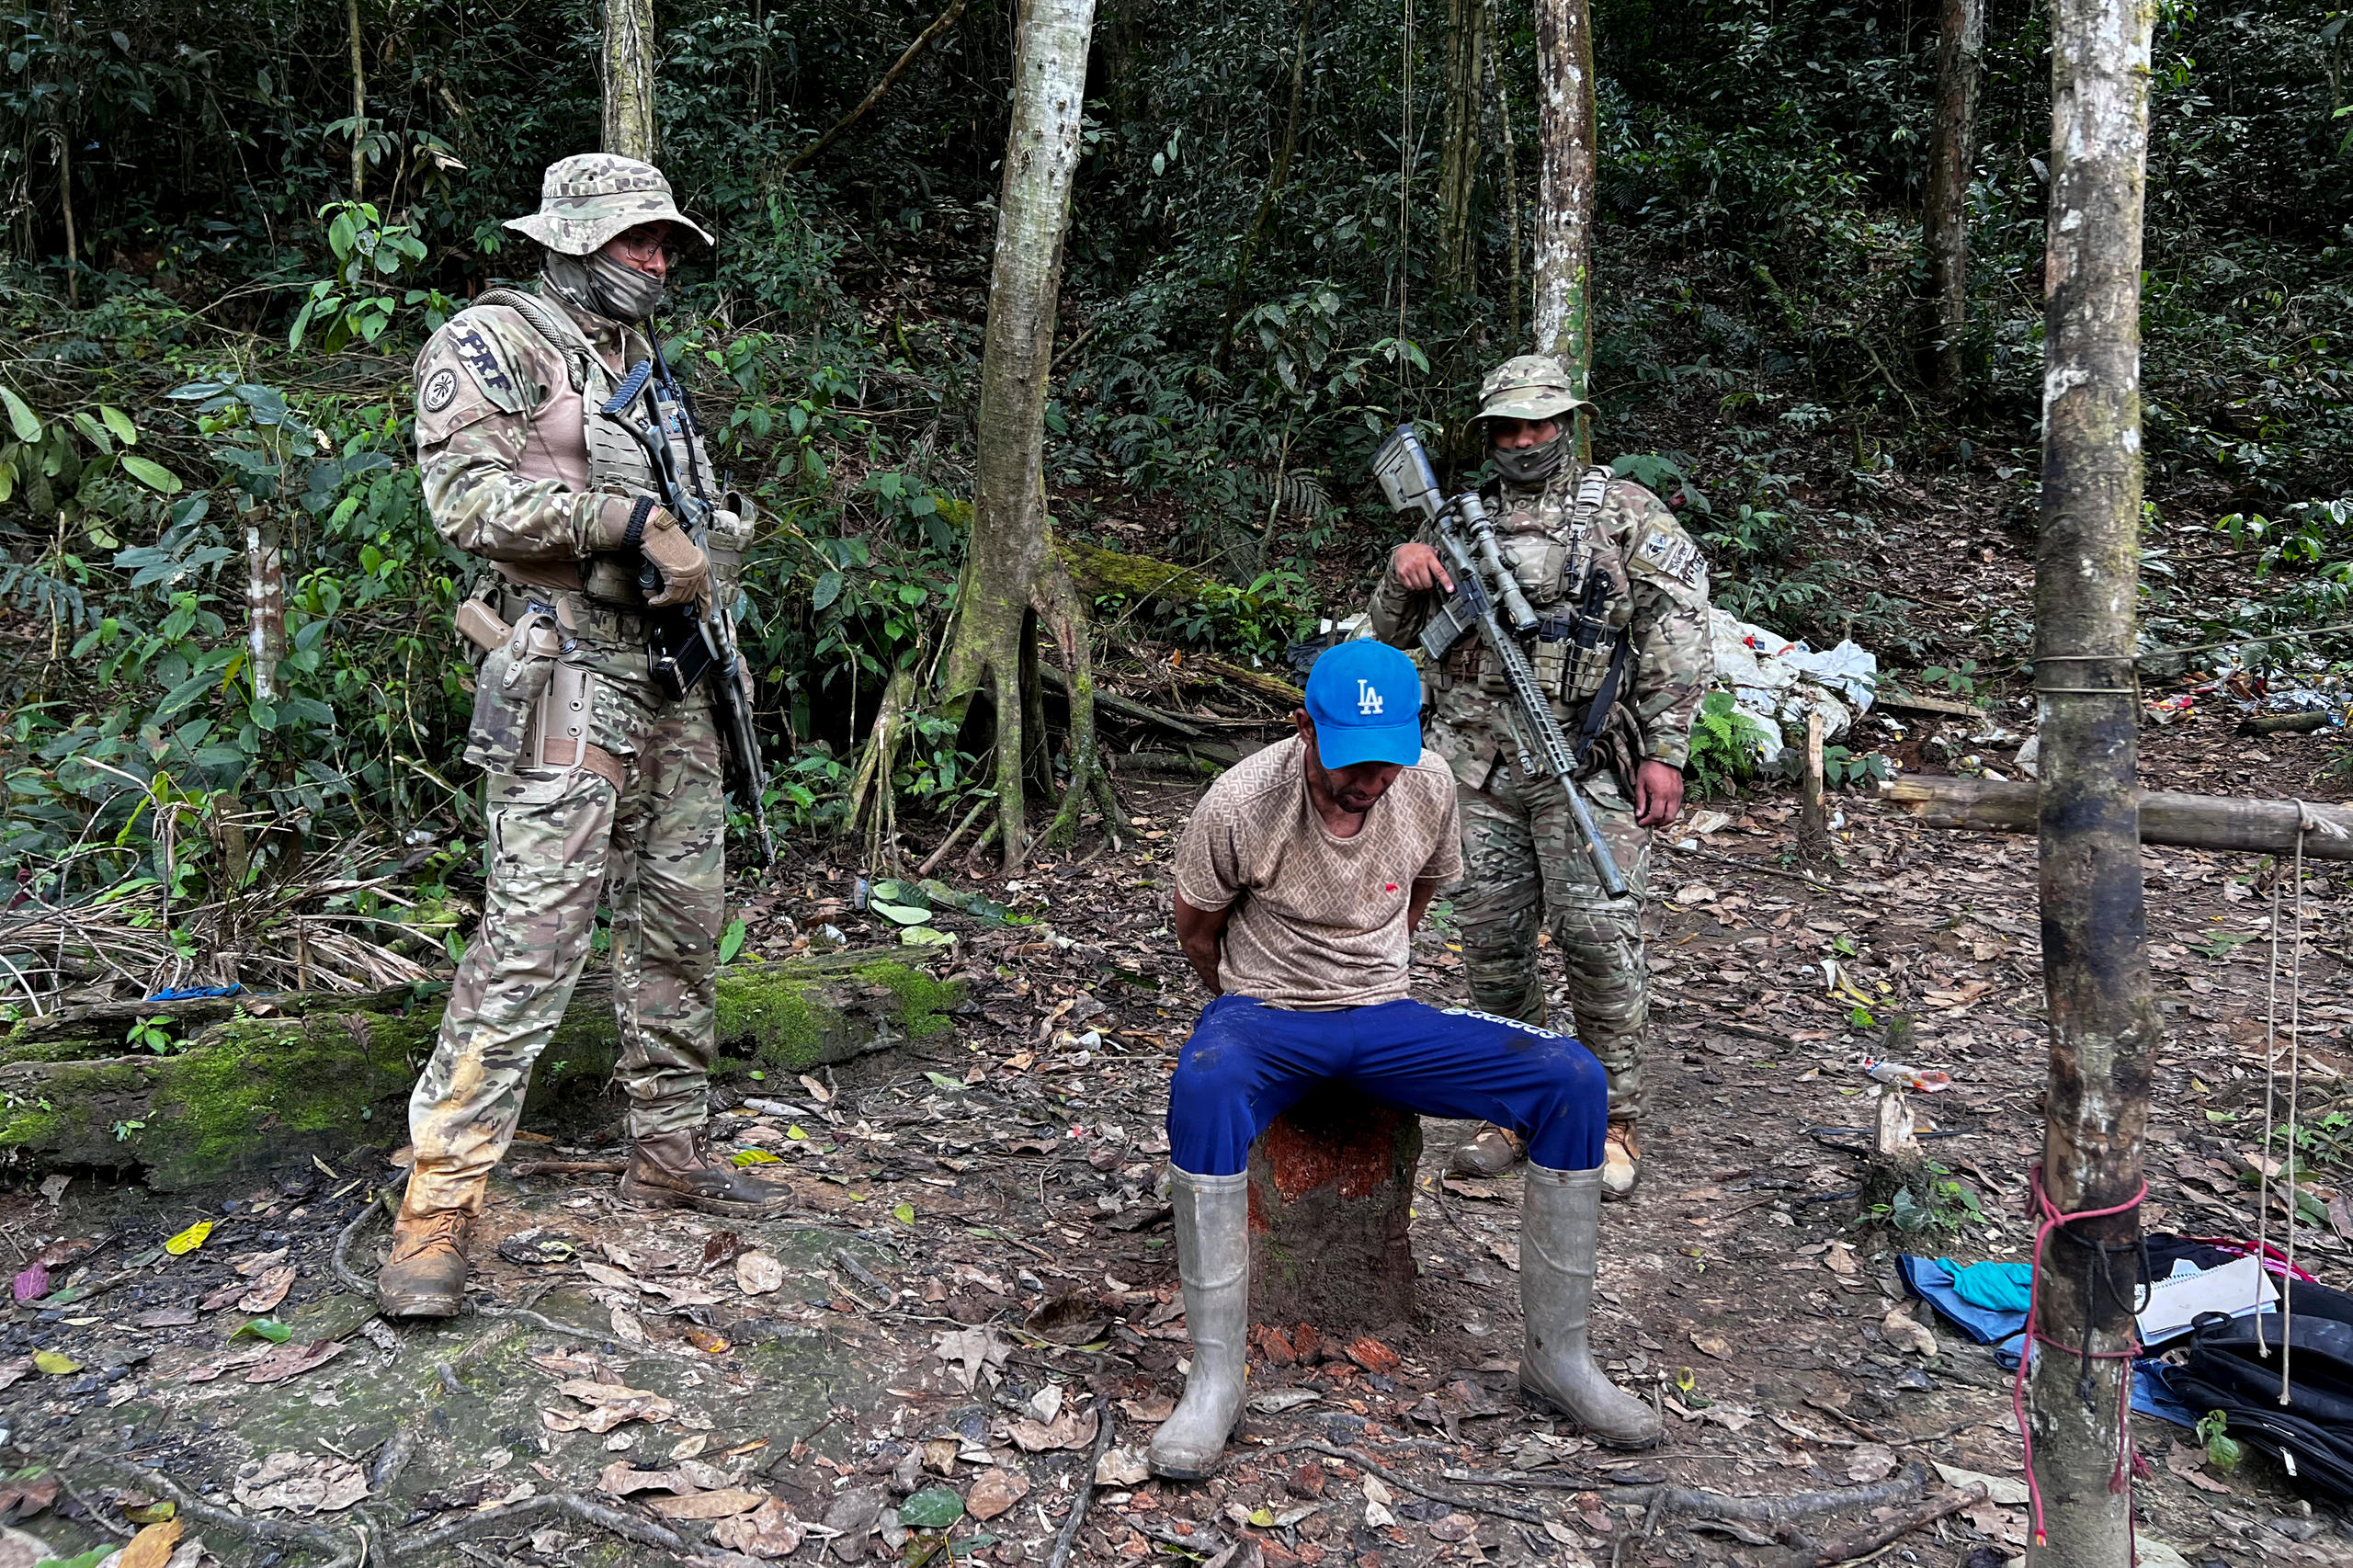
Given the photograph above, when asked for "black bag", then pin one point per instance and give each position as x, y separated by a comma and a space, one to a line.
2233, 1366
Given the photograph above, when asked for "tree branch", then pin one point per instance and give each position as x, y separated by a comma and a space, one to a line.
946, 20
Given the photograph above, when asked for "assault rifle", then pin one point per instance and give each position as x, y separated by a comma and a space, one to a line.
688, 644
1484, 589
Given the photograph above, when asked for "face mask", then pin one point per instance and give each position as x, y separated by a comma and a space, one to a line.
1532, 465
603, 287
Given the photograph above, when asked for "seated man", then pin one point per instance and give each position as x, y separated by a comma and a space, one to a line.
1298, 882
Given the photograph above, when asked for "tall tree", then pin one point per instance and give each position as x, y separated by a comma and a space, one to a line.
1499, 103
1952, 157
627, 71
1565, 194
2104, 1025
358, 103
1278, 176
1458, 169
1013, 580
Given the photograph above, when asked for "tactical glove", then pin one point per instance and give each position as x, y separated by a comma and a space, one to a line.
686, 571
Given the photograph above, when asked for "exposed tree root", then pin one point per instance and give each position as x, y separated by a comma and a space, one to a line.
1365, 1462
342, 1269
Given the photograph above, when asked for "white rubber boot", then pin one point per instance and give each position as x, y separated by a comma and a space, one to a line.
1560, 1229
1213, 1260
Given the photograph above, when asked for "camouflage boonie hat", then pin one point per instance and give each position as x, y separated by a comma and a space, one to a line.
1530, 386
586, 199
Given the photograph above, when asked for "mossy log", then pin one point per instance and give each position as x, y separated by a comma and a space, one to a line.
257, 1080
1140, 577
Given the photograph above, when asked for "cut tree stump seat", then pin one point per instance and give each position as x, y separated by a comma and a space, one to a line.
1331, 1197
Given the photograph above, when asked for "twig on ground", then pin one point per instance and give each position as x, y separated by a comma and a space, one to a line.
1066, 1537
342, 1269
569, 1505
276, 1532
1363, 1460
1763, 871
1786, 1506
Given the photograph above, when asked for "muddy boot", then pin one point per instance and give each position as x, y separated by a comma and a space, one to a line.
1620, 1157
426, 1277
1560, 1227
1213, 1260
676, 1170
1492, 1154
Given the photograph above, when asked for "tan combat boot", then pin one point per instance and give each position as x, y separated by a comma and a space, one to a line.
676, 1170
425, 1275
1620, 1157
1492, 1154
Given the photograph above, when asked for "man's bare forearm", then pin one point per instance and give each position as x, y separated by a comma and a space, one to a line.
1418, 904
1199, 932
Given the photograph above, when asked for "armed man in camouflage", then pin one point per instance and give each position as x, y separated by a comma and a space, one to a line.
601, 781
1523, 866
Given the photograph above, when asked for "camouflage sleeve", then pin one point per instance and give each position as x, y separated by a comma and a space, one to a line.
479, 385
1668, 580
1399, 613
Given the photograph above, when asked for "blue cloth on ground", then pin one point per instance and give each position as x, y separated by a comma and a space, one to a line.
2003, 1287
1933, 1280
1247, 1063
193, 993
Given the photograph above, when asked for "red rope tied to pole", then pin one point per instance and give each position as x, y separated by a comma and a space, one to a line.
2050, 1219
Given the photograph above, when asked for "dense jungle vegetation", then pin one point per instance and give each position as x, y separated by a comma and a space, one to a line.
210, 308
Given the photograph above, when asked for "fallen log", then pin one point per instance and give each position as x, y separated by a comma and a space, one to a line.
2196, 821
326, 1072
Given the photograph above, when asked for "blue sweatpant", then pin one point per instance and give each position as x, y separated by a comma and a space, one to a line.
1247, 1063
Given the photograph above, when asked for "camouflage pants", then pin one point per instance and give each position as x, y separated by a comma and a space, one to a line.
557, 838
1523, 868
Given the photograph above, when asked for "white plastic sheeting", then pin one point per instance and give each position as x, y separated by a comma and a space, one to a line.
1778, 682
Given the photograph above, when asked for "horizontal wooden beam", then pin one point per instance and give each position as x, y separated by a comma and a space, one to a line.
2196, 821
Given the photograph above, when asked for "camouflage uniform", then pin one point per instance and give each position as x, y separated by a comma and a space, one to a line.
599, 783
1523, 866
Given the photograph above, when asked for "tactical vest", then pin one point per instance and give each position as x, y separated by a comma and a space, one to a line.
1553, 545
618, 465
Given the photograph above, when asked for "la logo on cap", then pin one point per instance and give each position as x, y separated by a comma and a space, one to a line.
1368, 700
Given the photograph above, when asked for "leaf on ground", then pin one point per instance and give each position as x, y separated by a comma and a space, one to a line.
994, 1491
609, 1404
708, 1341
904, 1213
708, 1505
56, 1363
756, 1274
1711, 1344
269, 1291
15, 1370
152, 1547
2188, 1460
1121, 1467
302, 1483
1870, 1461
899, 914
1071, 1429
33, 1284
290, 1360
622, 1479
188, 1241
770, 1530
270, 1329
932, 1509
755, 1157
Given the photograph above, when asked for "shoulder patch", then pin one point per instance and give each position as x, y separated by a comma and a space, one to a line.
473, 346
1671, 555
441, 389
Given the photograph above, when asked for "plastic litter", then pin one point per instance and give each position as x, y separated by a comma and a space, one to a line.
1924, 1080
1778, 682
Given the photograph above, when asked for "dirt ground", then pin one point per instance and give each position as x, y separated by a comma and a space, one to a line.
974, 1307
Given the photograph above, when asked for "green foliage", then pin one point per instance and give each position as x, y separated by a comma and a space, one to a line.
357, 301
1961, 678
1929, 1203
1724, 744
2223, 1450
1842, 769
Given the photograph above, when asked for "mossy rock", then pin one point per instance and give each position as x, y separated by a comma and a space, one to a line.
323, 1074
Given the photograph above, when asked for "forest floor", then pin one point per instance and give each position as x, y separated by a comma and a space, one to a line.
978, 1275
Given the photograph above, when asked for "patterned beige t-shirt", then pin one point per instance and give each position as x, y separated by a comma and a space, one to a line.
1320, 921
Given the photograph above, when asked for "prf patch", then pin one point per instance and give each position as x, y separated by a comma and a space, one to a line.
439, 392
1671, 555
475, 353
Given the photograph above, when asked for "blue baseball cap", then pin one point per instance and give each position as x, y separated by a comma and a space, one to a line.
1366, 700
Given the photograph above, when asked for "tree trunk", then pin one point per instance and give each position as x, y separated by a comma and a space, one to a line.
60, 28
628, 78
1565, 195
265, 606
1499, 101
1952, 157
2104, 1026
1331, 1198
1010, 567
359, 103
1458, 172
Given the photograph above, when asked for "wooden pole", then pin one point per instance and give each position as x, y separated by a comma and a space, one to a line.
2197, 821
1814, 812
2104, 1025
